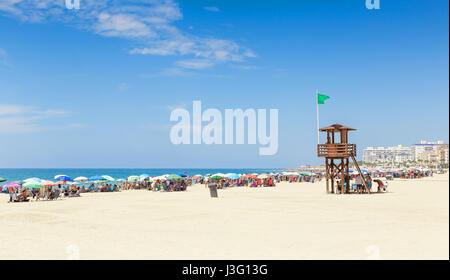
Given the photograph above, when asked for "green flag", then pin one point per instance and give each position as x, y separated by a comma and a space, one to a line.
321, 98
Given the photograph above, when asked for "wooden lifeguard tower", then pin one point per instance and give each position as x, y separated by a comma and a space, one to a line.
337, 156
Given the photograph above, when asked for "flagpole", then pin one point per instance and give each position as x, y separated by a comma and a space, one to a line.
318, 132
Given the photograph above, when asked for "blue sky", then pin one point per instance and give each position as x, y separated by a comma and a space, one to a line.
95, 87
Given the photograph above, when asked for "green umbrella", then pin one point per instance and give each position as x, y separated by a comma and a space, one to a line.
2, 180
133, 178
33, 185
173, 177
108, 178
216, 177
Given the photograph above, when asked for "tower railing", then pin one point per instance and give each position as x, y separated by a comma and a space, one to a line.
336, 150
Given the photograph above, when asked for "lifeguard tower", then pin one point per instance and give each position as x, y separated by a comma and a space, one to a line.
337, 156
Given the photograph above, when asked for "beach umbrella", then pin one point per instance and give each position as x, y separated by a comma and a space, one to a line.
183, 175
133, 178
63, 178
61, 182
217, 176
263, 176
108, 178
12, 185
233, 176
90, 182
80, 179
174, 177
48, 183
145, 176
97, 178
120, 180
160, 178
2, 180
34, 179
34, 185
197, 176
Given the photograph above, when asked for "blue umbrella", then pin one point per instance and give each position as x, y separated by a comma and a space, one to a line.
183, 175
233, 176
63, 178
97, 178
144, 176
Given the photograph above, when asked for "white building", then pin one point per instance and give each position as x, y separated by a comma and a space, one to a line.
431, 151
423, 152
398, 154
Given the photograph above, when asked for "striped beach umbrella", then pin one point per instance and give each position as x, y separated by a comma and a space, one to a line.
133, 178
48, 183
108, 178
80, 179
97, 178
33, 185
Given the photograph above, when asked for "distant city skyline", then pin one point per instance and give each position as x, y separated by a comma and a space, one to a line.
95, 87
423, 151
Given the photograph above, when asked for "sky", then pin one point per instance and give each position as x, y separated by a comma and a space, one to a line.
94, 87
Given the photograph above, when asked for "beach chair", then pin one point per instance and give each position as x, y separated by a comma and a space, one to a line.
55, 195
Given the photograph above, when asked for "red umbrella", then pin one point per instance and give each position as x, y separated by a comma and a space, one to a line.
49, 183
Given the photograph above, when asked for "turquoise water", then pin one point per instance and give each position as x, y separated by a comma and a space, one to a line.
11, 174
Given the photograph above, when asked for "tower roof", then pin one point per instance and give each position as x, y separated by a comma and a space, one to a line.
336, 128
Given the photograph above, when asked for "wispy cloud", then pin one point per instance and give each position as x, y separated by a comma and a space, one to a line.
124, 87
212, 9
149, 23
195, 63
3, 58
25, 119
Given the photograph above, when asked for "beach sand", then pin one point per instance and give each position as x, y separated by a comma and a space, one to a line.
290, 221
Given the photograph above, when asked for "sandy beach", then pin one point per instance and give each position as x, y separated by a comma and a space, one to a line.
290, 221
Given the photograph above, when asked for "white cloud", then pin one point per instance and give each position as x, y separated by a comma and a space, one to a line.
3, 58
194, 63
150, 23
212, 9
124, 87
25, 119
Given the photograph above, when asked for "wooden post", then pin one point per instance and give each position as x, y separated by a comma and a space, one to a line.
327, 174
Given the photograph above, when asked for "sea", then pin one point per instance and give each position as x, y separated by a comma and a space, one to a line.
18, 174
